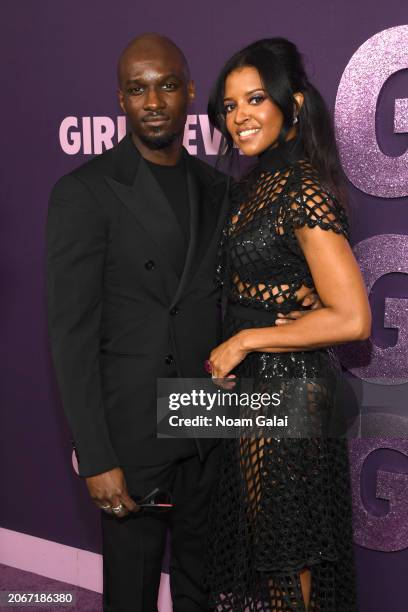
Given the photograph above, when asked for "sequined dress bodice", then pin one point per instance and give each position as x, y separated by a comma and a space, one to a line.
261, 263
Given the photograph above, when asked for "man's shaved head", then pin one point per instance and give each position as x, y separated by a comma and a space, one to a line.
147, 46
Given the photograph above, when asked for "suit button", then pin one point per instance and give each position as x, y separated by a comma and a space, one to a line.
150, 265
174, 311
169, 359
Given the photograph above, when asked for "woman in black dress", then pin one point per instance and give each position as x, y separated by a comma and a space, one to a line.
280, 521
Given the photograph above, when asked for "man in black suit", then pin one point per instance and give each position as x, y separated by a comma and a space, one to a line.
132, 240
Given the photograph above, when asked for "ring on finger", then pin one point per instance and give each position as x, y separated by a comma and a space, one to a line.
107, 507
207, 366
117, 509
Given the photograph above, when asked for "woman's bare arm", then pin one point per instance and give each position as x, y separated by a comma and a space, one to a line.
344, 317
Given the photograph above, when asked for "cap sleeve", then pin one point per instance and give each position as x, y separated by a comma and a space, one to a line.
313, 205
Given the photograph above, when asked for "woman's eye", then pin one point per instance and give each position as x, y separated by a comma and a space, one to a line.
228, 108
256, 99
170, 86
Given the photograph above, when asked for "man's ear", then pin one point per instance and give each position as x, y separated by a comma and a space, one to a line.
121, 100
191, 92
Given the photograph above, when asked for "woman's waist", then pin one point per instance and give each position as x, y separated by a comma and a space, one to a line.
262, 312
319, 363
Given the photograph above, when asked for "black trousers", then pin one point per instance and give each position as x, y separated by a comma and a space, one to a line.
133, 547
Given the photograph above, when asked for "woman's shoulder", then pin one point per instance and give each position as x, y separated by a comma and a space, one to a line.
307, 178
313, 202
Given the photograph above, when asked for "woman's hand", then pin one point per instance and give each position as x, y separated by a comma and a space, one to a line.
310, 299
225, 357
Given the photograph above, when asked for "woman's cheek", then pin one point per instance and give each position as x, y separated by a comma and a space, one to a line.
229, 125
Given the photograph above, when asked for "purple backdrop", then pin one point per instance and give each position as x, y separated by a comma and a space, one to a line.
59, 63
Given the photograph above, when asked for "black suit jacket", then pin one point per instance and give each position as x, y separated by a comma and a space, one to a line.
126, 305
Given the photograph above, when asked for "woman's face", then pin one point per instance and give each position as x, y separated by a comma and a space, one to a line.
252, 118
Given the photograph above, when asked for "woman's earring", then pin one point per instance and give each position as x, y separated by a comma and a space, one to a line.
295, 119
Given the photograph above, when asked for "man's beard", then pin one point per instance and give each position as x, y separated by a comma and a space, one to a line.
161, 141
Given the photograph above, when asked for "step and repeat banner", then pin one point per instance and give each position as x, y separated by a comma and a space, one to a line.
59, 108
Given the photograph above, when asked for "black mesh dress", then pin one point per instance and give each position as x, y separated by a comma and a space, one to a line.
280, 504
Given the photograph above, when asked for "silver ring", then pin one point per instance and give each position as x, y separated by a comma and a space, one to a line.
118, 509
106, 507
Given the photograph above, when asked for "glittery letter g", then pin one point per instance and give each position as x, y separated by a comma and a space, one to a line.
364, 163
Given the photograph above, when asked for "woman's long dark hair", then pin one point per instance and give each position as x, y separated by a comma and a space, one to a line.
280, 67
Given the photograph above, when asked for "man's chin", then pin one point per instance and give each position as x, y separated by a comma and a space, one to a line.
158, 141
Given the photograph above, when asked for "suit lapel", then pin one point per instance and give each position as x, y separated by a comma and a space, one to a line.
193, 192
136, 187
213, 205
146, 201
208, 193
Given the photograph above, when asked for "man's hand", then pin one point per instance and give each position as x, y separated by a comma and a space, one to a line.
109, 492
311, 300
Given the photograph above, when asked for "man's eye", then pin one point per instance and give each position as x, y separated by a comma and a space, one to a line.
134, 91
170, 86
257, 99
228, 108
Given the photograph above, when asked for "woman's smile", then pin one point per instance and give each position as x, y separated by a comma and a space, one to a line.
247, 133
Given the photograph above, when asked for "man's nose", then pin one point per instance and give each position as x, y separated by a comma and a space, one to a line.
153, 99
